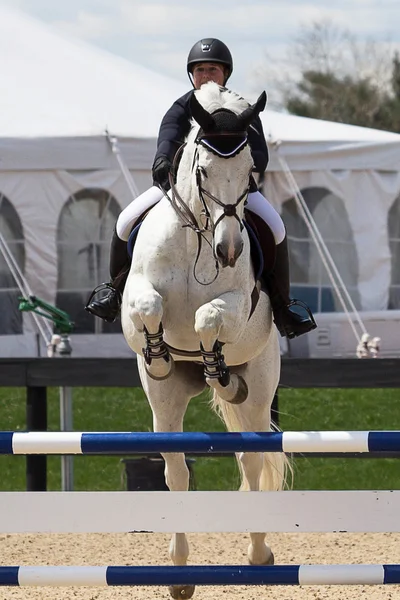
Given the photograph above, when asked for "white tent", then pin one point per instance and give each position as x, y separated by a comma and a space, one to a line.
59, 96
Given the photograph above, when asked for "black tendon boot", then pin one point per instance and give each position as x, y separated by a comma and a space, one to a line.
289, 322
108, 307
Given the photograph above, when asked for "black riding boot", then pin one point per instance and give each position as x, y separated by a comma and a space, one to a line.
108, 307
289, 323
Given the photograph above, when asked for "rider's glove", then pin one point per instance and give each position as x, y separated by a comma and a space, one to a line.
161, 169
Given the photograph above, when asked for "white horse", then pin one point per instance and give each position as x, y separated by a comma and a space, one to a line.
191, 292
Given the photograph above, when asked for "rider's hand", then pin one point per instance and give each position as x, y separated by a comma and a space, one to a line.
161, 169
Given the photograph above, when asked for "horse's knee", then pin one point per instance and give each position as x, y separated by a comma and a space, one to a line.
208, 323
148, 306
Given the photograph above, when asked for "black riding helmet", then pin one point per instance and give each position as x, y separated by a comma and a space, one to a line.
210, 50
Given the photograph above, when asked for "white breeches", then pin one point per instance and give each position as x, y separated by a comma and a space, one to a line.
256, 203
260, 205
136, 208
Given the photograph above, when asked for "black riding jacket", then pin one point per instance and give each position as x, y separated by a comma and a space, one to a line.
175, 126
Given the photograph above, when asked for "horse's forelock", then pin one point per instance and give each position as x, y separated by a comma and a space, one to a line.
212, 97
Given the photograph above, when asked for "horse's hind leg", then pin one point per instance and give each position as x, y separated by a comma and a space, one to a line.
258, 552
250, 417
252, 465
169, 400
259, 471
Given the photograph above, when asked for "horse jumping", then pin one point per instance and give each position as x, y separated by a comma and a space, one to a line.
192, 309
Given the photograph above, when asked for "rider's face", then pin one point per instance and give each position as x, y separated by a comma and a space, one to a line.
208, 71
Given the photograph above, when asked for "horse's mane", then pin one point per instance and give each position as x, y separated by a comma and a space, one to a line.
212, 97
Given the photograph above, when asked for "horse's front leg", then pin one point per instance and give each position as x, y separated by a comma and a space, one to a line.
218, 320
146, 312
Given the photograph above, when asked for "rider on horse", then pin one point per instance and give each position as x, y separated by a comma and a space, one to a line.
208, 60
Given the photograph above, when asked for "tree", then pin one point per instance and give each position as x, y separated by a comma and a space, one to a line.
334, 77
344, 99
393, 105
396, 75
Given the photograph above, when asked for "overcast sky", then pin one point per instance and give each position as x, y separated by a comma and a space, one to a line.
159, 34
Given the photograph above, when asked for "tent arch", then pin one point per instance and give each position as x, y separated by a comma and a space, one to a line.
309, 277
11, 231
84, 231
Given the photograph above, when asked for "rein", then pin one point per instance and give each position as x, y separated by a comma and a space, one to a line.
188, 218
186, 215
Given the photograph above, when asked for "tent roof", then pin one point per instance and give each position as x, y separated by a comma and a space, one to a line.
282, 126
313, 144
59, 95
53, 85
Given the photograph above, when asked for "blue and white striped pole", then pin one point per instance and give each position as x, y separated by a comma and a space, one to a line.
201, 575
198, 442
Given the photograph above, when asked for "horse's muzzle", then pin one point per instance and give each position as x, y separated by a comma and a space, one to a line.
225, 256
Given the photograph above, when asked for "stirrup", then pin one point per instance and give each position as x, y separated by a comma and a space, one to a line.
101, 288
303, 325
106, 308
295, 302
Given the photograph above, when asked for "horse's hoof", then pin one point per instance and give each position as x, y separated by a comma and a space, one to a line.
241, 393
171, 365
181, 592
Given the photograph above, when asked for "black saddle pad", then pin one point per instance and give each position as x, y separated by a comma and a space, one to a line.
262, 244
135, 231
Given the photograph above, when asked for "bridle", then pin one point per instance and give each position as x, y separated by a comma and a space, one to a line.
229, 210
219, 134
186, 214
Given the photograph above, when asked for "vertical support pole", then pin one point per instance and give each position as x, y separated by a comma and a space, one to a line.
66, 420
66, 424
36, 420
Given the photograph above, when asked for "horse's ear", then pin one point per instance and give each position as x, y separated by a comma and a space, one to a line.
253, 111
201, 115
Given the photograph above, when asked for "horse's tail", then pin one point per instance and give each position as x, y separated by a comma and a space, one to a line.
276, 466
